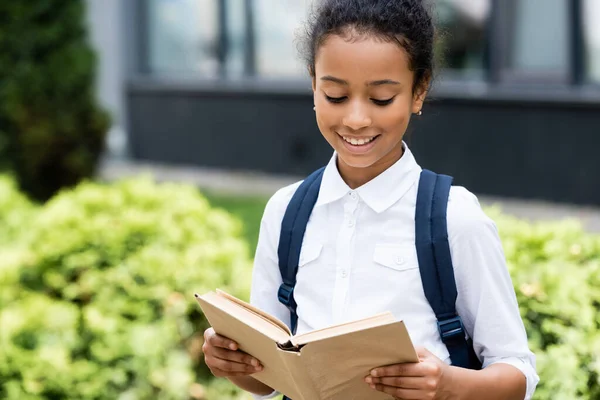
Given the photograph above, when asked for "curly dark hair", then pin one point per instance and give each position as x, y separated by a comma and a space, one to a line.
406, 22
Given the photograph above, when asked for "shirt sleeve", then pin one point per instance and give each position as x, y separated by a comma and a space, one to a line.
266, 277
486, 299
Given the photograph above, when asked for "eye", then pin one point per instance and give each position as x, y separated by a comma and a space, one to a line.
335, 100
383, 102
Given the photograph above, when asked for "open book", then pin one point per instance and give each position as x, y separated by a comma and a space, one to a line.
326, 364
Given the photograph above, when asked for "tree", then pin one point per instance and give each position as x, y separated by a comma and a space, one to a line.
52, 130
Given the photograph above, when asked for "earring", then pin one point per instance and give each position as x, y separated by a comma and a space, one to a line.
420, 113
314, 108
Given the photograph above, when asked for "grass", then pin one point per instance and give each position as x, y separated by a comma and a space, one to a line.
247, 208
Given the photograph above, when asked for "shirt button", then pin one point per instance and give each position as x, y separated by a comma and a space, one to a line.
399, 260
353, 195
344, 273
350, 223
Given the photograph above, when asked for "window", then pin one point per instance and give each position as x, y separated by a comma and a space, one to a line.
463, 39
591, 15
211, 38
461, 51
538, 40
183, 37
232, 38
276, 25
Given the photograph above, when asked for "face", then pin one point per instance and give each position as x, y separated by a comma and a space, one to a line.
363, 93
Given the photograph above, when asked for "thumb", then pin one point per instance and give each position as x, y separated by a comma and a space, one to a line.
423, 353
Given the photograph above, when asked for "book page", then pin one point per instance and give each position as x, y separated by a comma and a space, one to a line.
255, 336
341, 329
238, 314
257, 311
338, 365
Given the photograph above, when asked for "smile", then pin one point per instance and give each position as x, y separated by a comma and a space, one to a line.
359, 141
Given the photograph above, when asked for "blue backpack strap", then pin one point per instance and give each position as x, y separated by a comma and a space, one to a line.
293, 227
435, 266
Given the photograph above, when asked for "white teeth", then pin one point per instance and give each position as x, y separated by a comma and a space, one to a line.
357, 142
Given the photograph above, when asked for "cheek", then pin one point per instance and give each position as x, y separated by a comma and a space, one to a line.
323, 124
328, 116
393, 118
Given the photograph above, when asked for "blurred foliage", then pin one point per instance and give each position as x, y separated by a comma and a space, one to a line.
52, 131
16, 211
96, 296
555, 267
96, 292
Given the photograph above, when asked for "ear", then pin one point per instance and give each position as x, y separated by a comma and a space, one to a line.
419, 97
314, 88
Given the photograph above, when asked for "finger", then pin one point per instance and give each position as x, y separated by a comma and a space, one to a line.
404, 394
221, 341
409, 369
422, 352
399, 382
231, 366
222, 374
235, 356
425, 355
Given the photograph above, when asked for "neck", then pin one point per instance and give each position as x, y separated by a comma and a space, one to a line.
356, 177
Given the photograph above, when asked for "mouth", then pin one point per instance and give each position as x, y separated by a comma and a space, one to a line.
359, 145
359, 141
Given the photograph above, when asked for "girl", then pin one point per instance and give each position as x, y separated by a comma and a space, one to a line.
371, 63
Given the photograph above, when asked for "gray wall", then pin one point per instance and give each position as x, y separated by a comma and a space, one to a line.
539, 144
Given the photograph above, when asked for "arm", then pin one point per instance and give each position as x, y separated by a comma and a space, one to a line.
496, 382
266, 277
251, 385
488, 306
487, 301
433, 379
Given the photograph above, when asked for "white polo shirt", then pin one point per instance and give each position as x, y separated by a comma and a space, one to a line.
359, 258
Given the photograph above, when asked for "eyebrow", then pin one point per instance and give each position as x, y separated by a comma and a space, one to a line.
373, 83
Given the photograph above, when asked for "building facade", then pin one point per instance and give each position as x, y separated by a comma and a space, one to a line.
514, 111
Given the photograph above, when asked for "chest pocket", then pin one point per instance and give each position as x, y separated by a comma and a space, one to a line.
309, 253
396, 257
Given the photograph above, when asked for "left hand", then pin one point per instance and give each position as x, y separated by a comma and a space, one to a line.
428, 379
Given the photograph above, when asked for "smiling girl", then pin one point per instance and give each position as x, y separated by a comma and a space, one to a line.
371, 64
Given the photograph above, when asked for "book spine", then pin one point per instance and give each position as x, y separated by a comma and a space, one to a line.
305, 389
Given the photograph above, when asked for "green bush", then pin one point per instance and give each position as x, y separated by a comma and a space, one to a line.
52, 130
15, 211
96, 301
96, 293
555, 267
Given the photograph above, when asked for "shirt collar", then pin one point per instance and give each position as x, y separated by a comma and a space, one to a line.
381, 192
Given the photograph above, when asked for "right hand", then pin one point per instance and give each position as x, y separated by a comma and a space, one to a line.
224, 358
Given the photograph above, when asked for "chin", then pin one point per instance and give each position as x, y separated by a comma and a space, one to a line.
356, 161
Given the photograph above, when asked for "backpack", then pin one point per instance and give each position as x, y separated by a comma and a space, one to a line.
433, 254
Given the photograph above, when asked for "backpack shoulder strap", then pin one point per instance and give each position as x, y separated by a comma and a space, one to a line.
435, 266
293, 227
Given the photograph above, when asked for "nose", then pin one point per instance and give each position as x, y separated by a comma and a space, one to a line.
357, 117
